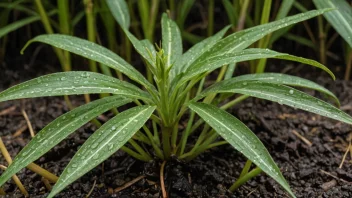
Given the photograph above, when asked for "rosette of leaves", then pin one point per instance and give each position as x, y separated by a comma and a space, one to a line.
166, 100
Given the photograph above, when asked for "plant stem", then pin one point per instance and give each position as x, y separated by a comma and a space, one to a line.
64, 18
152, 19
90, 30
43, 172
321, 40
233, 102
64, 62
7, 157
219, 143
245, 178
348, 65
186, 133
243, 14
166, 134
134, 154
47, 26
246, 168
140, 150
211, 18
263, 43
154, 143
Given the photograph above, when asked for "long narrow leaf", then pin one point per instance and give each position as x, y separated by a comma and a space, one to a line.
18, 24
58, 130
119, 10
340, 19
171, 40
215, 61
102, 144
197, 50
241, 138
279, 79
283, 95
242, 39
93, 52
72, 83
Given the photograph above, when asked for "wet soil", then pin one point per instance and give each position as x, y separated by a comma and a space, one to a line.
311, 167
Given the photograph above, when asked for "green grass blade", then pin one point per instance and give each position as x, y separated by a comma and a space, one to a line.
72, 83
232, 15
241, 138
243, 39
93, 52
119, 10
283, 95
18, 24
58, 130
183, 12
340, 19
280, 79
144, 47
103, 143
213, 62
171, 40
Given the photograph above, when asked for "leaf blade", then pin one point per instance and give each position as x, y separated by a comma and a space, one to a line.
241, 138
103, 143
58, 130
171, 40
281, 79
72, 83
93, 52
340, 19
244, 38
283, 95
119, 10
218, 60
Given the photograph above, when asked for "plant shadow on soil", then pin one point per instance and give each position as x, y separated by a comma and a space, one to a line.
312, 171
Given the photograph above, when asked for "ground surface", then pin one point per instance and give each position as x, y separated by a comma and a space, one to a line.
312, 171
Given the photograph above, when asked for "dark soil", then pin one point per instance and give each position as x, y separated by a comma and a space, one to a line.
312, 171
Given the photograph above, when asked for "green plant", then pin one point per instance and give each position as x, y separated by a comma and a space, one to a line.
340, 19
176, 75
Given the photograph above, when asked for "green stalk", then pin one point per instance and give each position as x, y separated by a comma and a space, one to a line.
233, 102
245, 178
263, 43
211, 18
47, 26
186, 133
134, 154
212, 135
322, 49
172, 7
143, 7
152, 20
64, 62
166, 134
348, 65
246, 168
243, 14
90, 29
64, 19
142, 138
219, 143
155, 146
139, 149
156, 133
